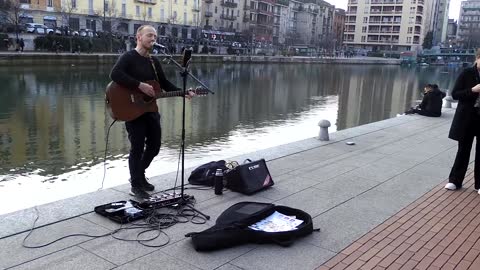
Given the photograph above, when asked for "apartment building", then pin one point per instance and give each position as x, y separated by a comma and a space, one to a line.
338, 26
226, 16
468, 31
310, 23
386, 25
440, 20
280, 21
43, 12
178, 18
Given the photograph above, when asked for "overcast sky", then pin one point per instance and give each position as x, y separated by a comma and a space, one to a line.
453, 13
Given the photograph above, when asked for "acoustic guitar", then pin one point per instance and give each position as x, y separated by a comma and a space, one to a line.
125, 104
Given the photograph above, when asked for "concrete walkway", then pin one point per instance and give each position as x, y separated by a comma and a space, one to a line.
348, 190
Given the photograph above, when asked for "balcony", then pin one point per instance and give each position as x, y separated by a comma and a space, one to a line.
152, 2
353, 2
208, 1
246, 18
208, 14
229, 4
195, 9
283, 2
261, 11
228, 17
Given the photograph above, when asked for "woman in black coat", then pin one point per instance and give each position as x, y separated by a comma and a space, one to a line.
466, 124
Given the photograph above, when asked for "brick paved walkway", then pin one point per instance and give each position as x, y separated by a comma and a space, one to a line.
438, 231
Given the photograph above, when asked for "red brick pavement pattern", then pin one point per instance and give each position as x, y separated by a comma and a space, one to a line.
440, 230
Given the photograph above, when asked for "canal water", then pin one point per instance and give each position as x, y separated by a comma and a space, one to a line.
53, 122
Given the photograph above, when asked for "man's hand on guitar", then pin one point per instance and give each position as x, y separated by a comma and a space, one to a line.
147, 89
190, 94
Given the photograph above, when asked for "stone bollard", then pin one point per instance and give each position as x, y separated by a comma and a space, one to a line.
448, 101
323, 135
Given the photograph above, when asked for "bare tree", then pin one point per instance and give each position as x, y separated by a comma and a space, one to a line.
110, 20
13, 10
69, 7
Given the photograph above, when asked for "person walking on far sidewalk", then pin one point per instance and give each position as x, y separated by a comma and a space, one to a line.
466, 124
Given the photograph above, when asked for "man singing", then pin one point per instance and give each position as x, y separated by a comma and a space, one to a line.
132, 70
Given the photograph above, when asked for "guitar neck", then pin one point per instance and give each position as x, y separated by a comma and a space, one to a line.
171, 94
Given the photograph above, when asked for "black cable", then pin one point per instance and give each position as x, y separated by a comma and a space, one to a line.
156, 222
61, 238
105, 156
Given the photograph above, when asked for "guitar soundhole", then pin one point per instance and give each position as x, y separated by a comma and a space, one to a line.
147, 99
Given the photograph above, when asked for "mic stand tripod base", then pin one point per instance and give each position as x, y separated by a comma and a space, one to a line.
184, 73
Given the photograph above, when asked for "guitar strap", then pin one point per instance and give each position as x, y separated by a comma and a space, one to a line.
154, 69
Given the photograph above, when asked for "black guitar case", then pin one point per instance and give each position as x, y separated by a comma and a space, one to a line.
231, 227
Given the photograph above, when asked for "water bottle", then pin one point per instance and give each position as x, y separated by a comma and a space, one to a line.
218, 182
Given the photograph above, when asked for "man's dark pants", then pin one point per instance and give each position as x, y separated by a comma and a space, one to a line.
145, 135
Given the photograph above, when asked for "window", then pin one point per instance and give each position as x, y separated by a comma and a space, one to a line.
364, 29
184, 2
74, 3
365, 19
363, 38
185, 18
410, 30
162, 15
137, 11
409, 39
105, 5
50, 3
124, 10
215, 9
149, 12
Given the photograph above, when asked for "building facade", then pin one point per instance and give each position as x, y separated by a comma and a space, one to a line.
339, 26
43, 12
387, 25
177, 18
468, 32
440, 20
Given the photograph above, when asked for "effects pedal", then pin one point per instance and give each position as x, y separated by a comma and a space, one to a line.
163, 200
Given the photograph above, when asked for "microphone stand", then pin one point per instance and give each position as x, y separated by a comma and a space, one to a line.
185, 73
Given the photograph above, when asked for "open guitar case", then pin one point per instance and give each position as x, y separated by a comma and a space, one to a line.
231, 227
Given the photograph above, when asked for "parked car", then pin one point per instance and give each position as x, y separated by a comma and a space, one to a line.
36, 28
87, 33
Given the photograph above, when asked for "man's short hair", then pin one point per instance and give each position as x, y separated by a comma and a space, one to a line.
139, 30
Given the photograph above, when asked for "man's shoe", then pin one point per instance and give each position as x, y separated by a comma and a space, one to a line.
139, 193
450, 186
146, 185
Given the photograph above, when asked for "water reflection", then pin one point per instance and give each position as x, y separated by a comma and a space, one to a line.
53, 118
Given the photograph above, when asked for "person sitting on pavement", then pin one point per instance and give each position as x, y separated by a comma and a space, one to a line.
431, 103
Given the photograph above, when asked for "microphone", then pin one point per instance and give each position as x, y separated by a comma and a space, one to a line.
187, 55
158, 46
